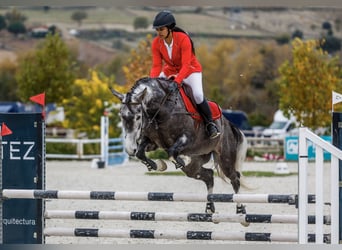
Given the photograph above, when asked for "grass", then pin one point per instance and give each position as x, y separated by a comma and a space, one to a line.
100, 17
244, 173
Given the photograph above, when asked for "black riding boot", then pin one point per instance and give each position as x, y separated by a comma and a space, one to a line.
205, 112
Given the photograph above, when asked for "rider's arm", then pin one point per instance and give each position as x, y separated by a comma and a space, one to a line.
157, 63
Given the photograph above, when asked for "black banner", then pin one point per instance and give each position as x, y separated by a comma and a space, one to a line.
337, 141
23, 167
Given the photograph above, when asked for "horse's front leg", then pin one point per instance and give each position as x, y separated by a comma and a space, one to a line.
181, 143
150, 164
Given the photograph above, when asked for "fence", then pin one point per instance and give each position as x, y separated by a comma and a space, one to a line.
264, 145
110, 150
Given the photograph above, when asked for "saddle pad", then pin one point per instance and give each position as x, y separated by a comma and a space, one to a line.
191, 108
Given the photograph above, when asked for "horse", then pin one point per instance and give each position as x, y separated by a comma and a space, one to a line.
154, 117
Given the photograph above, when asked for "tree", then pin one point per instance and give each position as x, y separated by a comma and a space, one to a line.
8, 84
15, 16
297, 33
330, 44
140, 61
88, 103
140, 22
46, 9
47, 69
15, 22
78, 16
16, 28
326, 26
306, 83
3, 23
233, 71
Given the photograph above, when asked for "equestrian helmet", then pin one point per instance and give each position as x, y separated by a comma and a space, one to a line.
164, 19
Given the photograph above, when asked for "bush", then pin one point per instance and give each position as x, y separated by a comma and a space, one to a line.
140, 23
297, 33
283, 39
16, 28
60, 148
71, 148
158, 154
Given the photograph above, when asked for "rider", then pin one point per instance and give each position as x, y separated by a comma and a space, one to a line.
175, 49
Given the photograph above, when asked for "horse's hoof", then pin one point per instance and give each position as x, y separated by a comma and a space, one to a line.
241, 209
161, 165
179, 163
151, 165
186, 159
210, 208
245, 224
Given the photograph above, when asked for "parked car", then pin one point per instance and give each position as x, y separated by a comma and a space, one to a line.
240, 120
11, 107
280, 126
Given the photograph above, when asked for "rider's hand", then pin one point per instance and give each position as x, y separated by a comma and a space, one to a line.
172, 77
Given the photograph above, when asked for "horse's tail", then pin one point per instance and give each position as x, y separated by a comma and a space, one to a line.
241, 150
241, 153
240, 158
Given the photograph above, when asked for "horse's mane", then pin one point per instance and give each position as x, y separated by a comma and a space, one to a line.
146, 81
135, 86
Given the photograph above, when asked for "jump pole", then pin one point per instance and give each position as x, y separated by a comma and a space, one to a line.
189, 217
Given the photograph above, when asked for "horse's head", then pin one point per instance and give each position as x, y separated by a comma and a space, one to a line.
135, 104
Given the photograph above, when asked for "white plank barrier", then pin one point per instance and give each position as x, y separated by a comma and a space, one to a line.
336, 154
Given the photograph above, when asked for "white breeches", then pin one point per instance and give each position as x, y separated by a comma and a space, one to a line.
194, 80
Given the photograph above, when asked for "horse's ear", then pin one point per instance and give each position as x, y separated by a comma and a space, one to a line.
141, 95
117, 94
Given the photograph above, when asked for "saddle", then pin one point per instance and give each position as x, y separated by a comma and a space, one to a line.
191, 107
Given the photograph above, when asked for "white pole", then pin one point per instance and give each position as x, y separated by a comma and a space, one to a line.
334, 210
319, 194
302, 188
104, 139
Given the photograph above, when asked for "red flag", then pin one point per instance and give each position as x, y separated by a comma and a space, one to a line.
5, 130
40, 99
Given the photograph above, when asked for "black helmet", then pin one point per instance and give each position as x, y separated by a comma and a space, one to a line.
164, 18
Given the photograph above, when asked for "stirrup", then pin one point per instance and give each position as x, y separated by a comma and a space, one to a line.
212, 130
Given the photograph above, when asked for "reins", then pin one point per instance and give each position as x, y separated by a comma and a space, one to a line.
160, 105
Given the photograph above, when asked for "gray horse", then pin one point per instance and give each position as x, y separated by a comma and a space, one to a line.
153, 117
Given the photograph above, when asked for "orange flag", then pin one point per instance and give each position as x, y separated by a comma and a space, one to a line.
40, 99
5, 130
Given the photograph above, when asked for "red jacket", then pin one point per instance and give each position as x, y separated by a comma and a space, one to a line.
183, 62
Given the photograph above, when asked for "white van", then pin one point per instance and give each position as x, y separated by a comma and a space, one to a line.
280, 126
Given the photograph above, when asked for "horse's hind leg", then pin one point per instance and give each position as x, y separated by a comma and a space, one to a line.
230, 168
235, 181
195, 170
173, 152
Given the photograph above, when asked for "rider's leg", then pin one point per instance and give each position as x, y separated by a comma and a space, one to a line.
195, 82
208, 120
